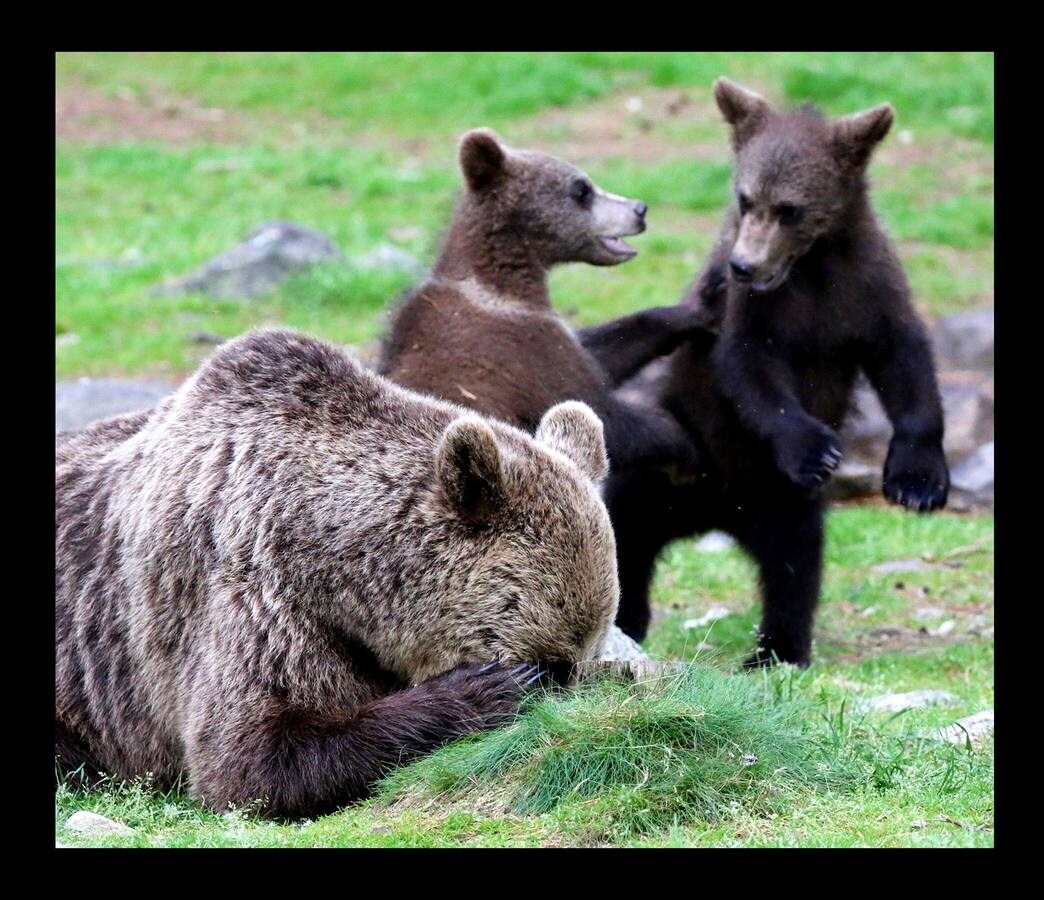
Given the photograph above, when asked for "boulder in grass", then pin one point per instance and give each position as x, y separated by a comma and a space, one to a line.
269, 255
79, 403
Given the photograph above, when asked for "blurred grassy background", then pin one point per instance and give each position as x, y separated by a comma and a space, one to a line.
164, 160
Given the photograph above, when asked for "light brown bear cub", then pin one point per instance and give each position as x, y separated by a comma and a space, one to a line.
481, 331
291, 576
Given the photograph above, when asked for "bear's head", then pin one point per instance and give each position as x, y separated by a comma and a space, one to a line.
529, 558
549, 206
797, 175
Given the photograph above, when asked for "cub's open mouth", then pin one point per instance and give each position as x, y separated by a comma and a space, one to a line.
618, 247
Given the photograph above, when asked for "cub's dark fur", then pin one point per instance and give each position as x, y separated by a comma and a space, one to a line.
289, 576
482, 331
808, 290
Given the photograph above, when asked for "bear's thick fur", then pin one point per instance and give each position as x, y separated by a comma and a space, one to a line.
291, 576
482, 332
807, 291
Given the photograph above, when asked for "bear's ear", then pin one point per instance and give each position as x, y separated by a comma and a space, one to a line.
573, 429
469, 469
744, 110
855, 136
482, 158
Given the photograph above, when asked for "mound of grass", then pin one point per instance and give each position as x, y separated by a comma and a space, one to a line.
698, 745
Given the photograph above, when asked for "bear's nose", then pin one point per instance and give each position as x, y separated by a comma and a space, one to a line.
740, 269
640, 209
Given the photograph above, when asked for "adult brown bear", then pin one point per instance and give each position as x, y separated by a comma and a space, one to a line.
292, 575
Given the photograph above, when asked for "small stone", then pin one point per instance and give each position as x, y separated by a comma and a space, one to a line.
634, 105
715, 542
92, 824
869, 611
944, 629
381, 829
619, 648
975, 728
902, 565
711, 615
928, 613
749, 759
906, 136
388, 256
908, 700
204, 337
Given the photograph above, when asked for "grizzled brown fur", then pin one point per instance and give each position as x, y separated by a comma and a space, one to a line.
808, 291
289, 576
482, 330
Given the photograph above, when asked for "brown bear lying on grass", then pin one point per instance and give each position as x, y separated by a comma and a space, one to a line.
291, 576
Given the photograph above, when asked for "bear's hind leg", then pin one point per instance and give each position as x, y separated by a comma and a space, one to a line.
786, 541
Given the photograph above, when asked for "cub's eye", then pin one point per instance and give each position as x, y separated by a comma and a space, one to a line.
789, 214
744, 204
581, 191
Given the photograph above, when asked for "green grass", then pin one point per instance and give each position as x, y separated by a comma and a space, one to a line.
374, 161
662, 763
363, 147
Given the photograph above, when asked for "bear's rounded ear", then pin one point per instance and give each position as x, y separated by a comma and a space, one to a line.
468, 466
482, 158
855, 136
744, 110
573, 429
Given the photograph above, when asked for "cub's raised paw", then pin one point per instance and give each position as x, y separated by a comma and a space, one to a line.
810, 456
917, 478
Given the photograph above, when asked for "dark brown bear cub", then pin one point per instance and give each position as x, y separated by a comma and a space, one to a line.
482, 330
292, 575
808, 291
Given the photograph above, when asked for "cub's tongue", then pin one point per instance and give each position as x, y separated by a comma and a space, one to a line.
615, 245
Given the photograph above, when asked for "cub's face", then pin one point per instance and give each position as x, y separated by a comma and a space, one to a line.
550, 205
796, 172
534, 577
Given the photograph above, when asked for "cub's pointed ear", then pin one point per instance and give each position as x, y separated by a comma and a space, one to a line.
482, 158
855, 136
573, 429
744, 110
469, 470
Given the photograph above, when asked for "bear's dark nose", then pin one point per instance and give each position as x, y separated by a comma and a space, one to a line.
740, 269
640, 209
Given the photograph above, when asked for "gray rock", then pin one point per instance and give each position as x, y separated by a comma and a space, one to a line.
972, 481
908, 700
967, 399
965, 340
715, 542
710, 616
620, 648
79, 403
388, 256
623, 659
270, 254
92, 824
974, 728
902, 565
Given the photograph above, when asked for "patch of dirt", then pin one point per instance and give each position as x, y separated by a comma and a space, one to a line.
87, 115
647, 125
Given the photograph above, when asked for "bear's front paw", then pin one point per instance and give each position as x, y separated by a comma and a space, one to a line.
494, 693
916, 476
809, 456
